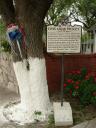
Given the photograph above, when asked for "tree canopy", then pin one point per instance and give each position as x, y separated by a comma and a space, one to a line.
84, 11
58, 11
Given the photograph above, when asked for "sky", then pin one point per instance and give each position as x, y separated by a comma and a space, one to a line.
76, 23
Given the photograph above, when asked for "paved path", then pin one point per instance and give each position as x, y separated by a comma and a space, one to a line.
87, 124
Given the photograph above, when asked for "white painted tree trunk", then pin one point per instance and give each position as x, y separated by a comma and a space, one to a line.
33, 91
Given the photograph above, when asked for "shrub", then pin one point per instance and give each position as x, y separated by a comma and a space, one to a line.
5, 46
81, 84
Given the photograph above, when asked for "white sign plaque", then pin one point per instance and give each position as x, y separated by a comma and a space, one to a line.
63, 39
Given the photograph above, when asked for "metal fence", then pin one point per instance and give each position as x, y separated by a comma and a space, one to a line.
87, 47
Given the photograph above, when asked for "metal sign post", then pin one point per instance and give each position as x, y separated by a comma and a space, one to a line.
62, 79
20, 53
63, 40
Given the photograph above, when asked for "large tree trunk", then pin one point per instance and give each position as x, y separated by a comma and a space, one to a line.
35, 103
33, 90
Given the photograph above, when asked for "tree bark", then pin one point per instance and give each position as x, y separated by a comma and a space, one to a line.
32, 83
31, 14
7, 11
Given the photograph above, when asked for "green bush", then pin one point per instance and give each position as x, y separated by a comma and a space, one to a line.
5, 46
81, 84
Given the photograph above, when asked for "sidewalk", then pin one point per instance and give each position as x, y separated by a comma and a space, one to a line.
87, 124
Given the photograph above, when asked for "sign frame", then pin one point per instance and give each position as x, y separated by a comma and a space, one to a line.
61, 27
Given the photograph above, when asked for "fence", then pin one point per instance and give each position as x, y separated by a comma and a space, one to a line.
87, 47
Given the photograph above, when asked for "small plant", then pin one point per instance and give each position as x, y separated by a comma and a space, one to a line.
38, 116
51, 119
81, 84
51, 123
5, 46
37, 113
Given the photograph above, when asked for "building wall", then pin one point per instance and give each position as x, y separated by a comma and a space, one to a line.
53, 64
71, 62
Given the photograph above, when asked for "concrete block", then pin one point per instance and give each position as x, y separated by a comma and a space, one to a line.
62, 114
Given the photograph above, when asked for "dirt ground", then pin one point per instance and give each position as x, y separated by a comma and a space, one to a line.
80, 114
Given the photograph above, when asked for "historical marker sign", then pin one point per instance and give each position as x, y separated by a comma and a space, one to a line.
63, 39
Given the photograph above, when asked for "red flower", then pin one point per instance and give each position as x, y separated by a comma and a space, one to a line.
76, 87
78, 72
73, 72
77, 82
94, 93
65, 85
70, 81
87, 77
